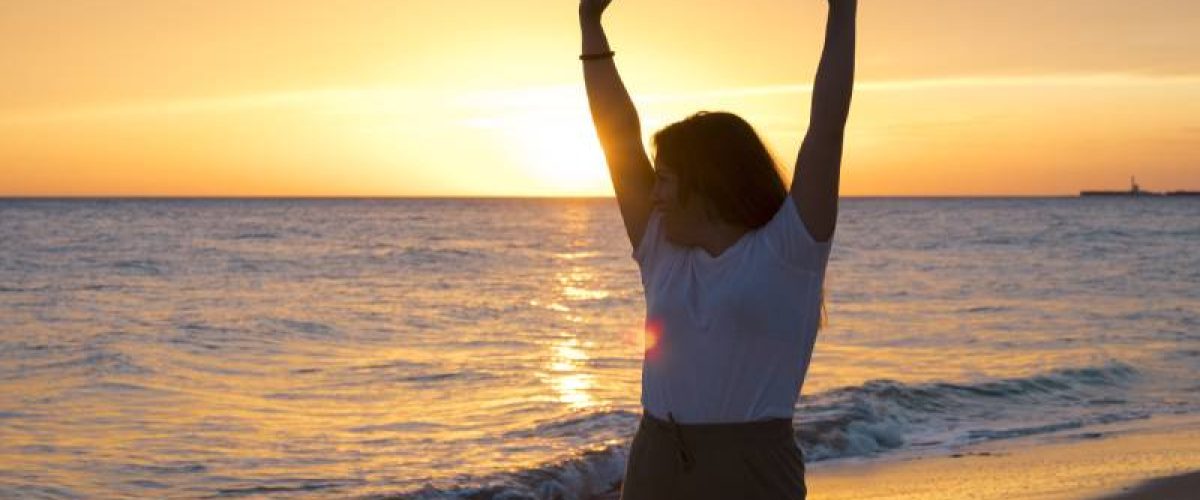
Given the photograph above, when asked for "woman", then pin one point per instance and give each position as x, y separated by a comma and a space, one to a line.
732, 264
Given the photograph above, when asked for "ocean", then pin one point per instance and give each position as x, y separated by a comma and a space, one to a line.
491, 348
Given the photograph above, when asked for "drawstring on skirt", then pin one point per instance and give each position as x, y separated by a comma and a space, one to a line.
685, 457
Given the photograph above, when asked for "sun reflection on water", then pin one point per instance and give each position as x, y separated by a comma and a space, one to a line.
573, 386
573, 282
572, 285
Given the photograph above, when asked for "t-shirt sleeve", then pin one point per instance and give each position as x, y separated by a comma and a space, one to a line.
789, 238
653, 240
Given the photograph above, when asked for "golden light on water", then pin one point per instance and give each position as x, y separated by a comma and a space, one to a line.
567, 361
571, 285
576, 255
573, 386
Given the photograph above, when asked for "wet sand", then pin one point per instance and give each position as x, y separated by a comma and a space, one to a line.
1175, 487
1110, 462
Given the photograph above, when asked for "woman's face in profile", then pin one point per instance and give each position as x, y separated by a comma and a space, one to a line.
683, 222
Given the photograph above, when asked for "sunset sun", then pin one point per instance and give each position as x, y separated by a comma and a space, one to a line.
565, 154
557, 150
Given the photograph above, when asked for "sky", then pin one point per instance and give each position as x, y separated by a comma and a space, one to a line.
485, 97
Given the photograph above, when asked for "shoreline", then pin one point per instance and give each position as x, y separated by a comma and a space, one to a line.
1157, 457
1100, 462
1182, 486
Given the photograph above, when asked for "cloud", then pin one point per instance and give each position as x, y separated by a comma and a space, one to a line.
364, 100
1116, 80
573, 95
379, 101
1092, 80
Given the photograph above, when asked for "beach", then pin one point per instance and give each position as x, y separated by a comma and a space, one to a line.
1104, 461
1157, 458
1172, 487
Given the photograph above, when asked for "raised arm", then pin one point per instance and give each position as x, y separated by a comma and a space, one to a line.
815, 183
617, 124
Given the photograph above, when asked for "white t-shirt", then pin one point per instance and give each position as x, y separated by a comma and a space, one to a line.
729, 338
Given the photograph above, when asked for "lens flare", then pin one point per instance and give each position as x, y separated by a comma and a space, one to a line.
652, 336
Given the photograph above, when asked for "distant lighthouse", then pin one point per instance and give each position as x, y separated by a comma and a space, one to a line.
1134, 190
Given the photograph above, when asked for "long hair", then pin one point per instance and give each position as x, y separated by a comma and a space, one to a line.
719, 157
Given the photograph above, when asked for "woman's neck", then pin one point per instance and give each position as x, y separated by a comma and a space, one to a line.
720, 237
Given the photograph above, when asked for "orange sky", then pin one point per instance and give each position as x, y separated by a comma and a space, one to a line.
485, 97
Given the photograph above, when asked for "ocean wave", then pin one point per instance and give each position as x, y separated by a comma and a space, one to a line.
471, 375
883, 415
180, 467
984, 309
1021, 431
37, 491
398, 427
859, 421
285, 486
584, 425
146, 267
998, 240
394, 364
97, 362
423, 255
256, 236
585, 475
492, 344
314, 328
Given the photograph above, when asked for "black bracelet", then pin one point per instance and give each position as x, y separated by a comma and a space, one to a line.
592, 57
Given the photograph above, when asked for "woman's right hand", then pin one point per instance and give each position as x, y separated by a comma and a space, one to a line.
591, 10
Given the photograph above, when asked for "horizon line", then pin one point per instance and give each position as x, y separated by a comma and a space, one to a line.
7, 197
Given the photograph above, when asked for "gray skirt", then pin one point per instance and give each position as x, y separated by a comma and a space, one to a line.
717, 461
